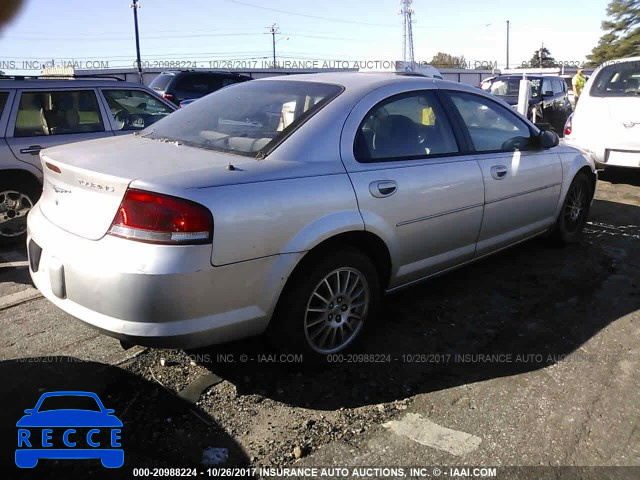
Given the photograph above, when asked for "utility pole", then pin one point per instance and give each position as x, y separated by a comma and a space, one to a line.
407, 36
508, 43
135, 7
540, 54
273, 29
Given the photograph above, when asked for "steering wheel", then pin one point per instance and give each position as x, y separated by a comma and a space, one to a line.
122, 118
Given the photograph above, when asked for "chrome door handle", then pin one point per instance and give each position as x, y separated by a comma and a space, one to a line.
383, 188
499, 172
31, 149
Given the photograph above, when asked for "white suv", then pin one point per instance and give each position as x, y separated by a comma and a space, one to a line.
606, 121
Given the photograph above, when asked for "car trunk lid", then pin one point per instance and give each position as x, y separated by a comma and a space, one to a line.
84, 183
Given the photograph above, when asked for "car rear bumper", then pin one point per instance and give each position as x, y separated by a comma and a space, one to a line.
606, 157
156, 295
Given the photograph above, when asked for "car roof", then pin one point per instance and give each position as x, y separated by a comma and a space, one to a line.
529, 75
367, 81
65, 83
621, 60
198, 71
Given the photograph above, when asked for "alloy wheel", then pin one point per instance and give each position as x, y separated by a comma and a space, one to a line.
14, 207
336, 310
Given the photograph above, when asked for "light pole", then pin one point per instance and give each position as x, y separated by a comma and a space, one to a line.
508, 43
135, 7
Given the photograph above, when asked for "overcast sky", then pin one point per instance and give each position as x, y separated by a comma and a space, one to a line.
208, 30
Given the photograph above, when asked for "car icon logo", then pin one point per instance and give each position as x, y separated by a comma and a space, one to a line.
69, 425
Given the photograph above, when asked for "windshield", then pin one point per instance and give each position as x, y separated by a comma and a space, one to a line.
246, 118
509, 87
618, 80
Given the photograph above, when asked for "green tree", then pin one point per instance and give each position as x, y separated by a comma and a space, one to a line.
542, 59
622, 32
444, 60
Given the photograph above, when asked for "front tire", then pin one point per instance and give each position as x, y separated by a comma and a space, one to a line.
326, 305
575, 211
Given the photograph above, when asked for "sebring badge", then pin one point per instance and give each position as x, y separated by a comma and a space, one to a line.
89, 184
630, 124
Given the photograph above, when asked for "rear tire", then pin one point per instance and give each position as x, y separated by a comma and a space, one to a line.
574, 213
16, 199
326, 306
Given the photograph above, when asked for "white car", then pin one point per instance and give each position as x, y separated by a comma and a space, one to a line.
606, 121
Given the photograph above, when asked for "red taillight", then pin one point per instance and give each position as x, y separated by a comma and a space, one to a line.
170, 97
155, 218
568, 127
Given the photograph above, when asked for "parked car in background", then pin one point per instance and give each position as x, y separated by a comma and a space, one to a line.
548, 99
40, 113
226, 220
606, 123
180, 85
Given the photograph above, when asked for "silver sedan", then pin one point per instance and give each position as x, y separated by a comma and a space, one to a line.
290, 206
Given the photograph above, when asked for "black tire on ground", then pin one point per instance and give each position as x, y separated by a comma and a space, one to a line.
574, 213
333, 297
16, 199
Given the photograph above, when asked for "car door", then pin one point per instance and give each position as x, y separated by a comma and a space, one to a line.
521, 182
414, 188
45, 118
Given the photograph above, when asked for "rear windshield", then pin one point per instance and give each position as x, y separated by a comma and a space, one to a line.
510, 87
161, 82
618, 80
248, 118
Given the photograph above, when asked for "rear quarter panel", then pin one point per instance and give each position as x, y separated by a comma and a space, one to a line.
282, 216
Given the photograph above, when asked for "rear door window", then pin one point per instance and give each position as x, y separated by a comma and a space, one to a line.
58, 113
404, 127
134, 109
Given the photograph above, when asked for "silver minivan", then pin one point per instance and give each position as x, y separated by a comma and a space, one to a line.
37, 113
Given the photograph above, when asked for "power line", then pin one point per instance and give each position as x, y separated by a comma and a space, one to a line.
315, 17
151, 37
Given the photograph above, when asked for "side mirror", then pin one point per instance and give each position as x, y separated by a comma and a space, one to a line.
29, 411
548, 139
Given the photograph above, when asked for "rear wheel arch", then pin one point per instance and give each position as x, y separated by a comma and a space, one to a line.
368, 243
354, 252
